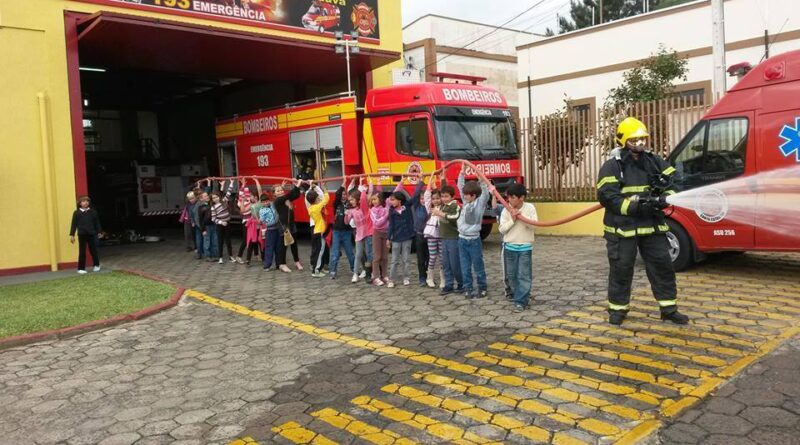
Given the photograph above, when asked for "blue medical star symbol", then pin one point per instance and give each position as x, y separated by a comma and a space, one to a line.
792, 137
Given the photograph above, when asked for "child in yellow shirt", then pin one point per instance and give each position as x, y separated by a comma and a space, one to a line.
316, 200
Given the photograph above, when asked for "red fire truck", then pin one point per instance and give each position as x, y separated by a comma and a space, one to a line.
413, 128
753, 129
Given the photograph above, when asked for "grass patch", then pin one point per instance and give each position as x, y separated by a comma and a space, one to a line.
34, 307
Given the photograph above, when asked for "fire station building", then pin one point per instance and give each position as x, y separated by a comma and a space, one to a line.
118, 99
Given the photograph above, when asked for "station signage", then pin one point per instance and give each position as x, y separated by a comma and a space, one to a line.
307, 16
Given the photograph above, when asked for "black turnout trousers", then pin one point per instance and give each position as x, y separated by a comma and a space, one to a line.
658, 264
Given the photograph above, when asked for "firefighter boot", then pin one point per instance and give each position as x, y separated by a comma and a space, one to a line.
675, 317
616, 317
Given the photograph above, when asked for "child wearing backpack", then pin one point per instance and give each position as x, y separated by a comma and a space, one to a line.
269, 218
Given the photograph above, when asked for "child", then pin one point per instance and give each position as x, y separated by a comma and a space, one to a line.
268, 217
246, 201
359, 216
207, 228
518, 245
420, 216
342, 233
283, 205
470, 246
497, 212
316, 200
188, 222
221, 216
448, 217
432, 200
401, 235
87, 223
379, 213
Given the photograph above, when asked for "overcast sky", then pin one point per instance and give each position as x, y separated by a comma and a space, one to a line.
493, 12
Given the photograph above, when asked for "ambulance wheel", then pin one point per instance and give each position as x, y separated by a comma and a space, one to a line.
681, 248
486, 230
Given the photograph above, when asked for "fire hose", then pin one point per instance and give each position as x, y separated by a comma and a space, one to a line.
478, 173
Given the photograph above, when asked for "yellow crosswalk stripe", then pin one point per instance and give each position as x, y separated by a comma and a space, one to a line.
754, 291
671, 340
362, 430
244, 441
752, 326
657, 327
295, 433
431, 426
738, 310
534, 406
735, 301
508, 424
636, 359
571, 377
645, 348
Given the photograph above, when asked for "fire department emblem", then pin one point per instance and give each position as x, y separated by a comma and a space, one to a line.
364, 19
711, 205
415, 168
791, 136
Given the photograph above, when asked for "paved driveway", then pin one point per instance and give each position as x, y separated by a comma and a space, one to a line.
253, 356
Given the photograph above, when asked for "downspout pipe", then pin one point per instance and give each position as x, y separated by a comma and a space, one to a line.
47, 165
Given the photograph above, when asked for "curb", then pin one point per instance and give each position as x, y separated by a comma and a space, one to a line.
71, 331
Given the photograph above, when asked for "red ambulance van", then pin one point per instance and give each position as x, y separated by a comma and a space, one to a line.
753, 129
414, 128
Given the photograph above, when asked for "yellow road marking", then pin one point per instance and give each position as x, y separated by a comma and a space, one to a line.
694, 296
622, 356
702, 319
577, 379
509, 424
557, 414
755, 291
361, 429
694, 331
295, 433
646, 348
433, 427
639, 433
244, 441
713, 305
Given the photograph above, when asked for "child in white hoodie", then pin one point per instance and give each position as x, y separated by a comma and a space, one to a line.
518, 245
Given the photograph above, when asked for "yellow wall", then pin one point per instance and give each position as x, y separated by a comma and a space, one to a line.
591, 224
33, 61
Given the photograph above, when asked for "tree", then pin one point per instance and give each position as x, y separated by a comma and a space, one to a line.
586, 13
652, 79
559, 141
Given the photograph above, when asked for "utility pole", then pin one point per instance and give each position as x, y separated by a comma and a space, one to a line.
718, 47
347, 47
601, 12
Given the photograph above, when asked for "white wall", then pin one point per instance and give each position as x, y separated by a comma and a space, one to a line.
614, 43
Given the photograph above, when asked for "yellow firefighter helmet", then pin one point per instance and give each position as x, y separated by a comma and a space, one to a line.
630, 128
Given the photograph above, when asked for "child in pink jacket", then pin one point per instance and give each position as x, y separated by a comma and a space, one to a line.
358, 216
379, 213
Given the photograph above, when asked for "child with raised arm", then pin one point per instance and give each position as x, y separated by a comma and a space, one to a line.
316, 200
245, 201
283, 205
221, 216
359, 216
432, 200
379, 213
448, 214
470, 247
420, 217
401, 235
342, 232
518, 240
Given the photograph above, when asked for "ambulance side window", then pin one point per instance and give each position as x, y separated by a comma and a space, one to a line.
412, 139
714, 151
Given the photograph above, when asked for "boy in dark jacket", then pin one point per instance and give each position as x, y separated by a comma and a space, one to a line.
87, 223
401, 235
342, 233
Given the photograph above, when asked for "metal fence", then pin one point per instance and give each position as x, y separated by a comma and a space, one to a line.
562, 152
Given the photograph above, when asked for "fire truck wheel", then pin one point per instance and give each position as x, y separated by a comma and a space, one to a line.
486, 230
681, 248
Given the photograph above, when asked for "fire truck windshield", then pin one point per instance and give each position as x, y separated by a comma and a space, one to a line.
475, 138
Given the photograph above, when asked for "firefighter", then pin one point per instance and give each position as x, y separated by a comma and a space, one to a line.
632, 186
